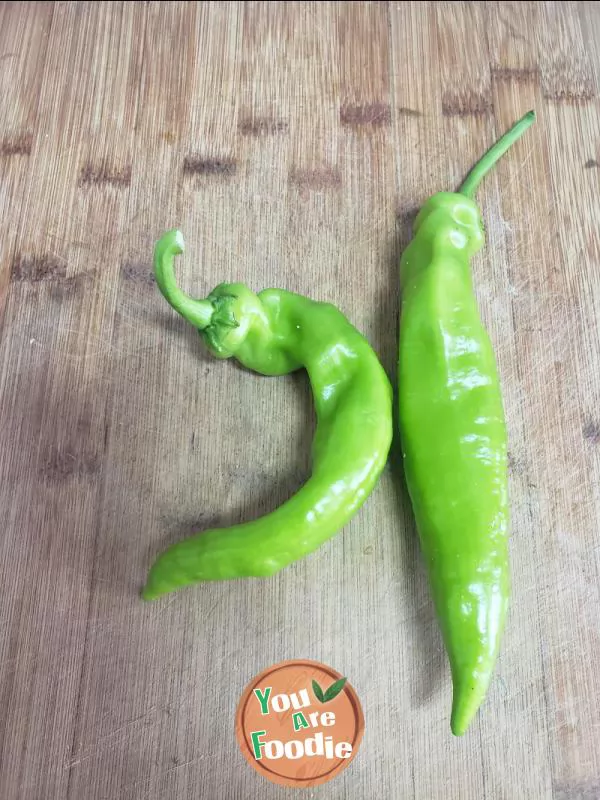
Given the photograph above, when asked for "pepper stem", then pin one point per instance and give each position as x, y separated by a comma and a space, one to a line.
198, 312
487, 161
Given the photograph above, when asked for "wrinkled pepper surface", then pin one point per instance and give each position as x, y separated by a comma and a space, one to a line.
453, 434
277, 332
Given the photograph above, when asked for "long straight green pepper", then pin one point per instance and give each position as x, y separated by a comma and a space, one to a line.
453, 434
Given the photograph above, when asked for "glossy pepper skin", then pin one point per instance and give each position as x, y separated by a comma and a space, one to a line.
277, 332
453, 435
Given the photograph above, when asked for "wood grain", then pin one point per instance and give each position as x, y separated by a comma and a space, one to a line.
292, 143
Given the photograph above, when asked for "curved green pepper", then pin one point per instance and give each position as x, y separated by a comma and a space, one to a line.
453, 435
275, 333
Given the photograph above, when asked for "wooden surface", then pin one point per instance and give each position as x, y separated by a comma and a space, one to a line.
291, 143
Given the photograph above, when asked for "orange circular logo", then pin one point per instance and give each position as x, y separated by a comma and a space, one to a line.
299, 723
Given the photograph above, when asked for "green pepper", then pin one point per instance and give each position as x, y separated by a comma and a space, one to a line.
453, 435
277, 332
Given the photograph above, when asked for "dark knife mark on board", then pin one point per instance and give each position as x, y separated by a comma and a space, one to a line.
315, 179
591, 431
58, 466
403, 111
569, 84
570, 96
50, 271
34, 269
138, 272
516, 74
20, 144
371, 114
577, 790
262, 126
466, 104
104, 174
591, 163
200, 165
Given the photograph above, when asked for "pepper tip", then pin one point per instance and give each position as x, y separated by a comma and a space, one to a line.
147, 594
458, 728
466, 701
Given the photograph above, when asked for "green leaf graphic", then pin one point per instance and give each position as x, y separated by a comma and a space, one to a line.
318, 692
334, 689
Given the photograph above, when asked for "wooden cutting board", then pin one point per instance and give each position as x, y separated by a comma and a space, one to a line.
291, 143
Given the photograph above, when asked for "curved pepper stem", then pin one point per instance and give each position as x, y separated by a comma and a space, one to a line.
198, 312
494, 154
